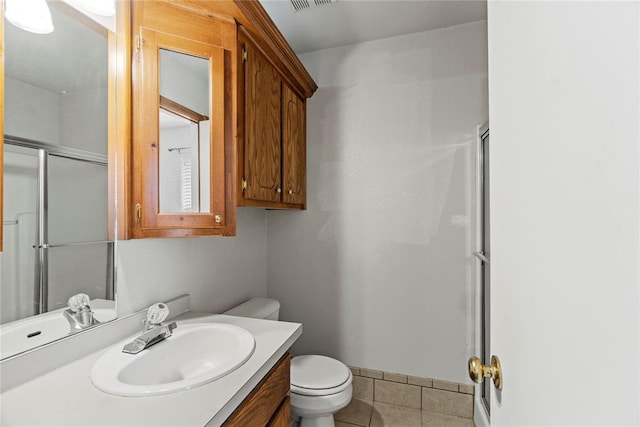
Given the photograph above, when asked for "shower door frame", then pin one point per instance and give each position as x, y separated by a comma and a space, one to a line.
482, 407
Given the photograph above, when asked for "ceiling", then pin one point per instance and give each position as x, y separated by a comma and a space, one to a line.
71, 58
354, 21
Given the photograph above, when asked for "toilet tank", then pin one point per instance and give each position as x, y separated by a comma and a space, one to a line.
258, 308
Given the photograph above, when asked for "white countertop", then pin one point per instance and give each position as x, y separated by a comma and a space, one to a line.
66, 396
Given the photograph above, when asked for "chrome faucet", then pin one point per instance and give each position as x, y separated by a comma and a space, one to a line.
79, 314
153, 331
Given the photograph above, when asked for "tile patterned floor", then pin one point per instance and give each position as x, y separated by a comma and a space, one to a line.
361, 413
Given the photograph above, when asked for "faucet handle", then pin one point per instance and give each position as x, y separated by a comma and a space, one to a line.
78, 301
157, 313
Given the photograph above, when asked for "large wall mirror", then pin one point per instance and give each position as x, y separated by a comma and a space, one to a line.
56, 125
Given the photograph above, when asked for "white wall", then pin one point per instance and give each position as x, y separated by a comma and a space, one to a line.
31, 112
83, 119
218, 272
180, 82
378, 268
564, 92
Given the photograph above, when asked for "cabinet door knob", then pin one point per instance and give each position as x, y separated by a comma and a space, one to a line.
290, 191
218, 219
279, 190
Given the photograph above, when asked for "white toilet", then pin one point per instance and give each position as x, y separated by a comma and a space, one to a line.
320, 385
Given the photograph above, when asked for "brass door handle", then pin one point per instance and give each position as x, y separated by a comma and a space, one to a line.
478, 372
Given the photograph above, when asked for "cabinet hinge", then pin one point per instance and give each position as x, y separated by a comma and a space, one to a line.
136, 53
138, 213
245, 55
244, 184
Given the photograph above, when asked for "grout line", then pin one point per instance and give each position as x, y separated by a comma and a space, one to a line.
422, 383
458, 386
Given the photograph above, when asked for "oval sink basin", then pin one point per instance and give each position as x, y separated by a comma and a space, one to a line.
195, 354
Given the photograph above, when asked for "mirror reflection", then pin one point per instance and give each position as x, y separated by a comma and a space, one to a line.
55, 180
184, 133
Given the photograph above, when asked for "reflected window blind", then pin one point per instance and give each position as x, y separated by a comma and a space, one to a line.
185, 182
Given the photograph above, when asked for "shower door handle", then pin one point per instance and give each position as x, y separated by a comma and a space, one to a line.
478, 372
480, 255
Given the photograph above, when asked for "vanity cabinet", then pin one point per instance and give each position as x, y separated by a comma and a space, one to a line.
272, 154
268, 404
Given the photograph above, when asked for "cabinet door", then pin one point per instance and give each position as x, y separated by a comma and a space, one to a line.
262, 155
293, 148
282, 416
180, 98
267, 399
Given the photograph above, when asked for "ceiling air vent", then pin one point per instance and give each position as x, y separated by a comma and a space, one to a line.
299, 5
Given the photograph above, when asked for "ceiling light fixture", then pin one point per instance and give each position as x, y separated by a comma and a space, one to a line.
29, 15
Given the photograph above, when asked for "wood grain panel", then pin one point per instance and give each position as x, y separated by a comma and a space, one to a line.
120, 158
294, 157
180, 110
219, 9
256, 20
259, 407
282, 416
262, 155
166, 17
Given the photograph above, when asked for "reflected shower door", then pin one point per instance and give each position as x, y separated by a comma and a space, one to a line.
55, 226
17, 263
79, 256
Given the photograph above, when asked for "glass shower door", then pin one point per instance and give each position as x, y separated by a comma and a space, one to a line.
79, 255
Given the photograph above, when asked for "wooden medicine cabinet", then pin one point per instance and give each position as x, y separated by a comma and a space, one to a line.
181, 89
218, 117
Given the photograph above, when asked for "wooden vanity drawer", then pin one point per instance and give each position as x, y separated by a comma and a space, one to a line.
260, 407
282, 416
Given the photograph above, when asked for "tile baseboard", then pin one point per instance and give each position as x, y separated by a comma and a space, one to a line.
427, 394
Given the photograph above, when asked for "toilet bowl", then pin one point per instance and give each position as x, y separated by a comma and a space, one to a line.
320, 385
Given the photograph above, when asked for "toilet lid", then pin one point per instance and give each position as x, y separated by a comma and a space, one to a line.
318, 372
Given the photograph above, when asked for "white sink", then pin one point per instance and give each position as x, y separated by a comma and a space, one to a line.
31, 332
195, 354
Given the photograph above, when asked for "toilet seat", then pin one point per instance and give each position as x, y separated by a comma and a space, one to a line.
314, 375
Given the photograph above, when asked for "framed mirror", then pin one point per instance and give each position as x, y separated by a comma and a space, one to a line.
184, 142
57, 121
